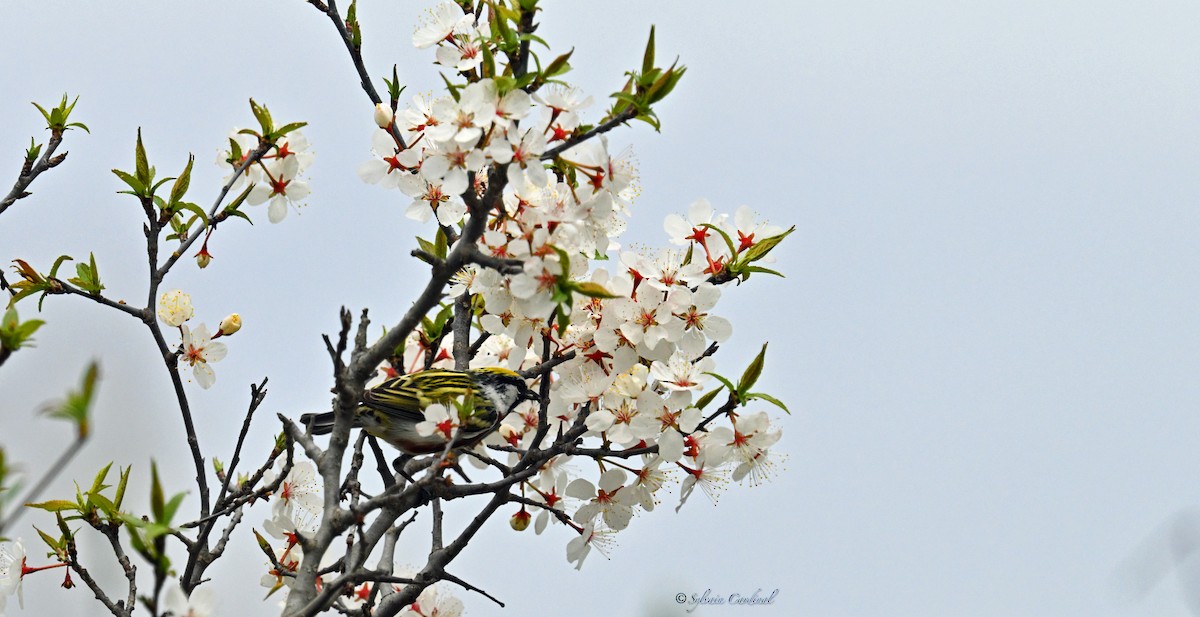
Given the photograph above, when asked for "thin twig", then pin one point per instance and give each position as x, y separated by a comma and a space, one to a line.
25, 178
251, 158
140, 314
331, 11
194, 570
626, 115
446, 576
547, 366
730, 404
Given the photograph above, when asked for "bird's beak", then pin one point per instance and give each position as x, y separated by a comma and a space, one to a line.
531, 395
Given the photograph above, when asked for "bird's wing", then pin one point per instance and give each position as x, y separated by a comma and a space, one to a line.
407, 396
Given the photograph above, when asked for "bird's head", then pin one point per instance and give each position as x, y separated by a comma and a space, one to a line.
504, 388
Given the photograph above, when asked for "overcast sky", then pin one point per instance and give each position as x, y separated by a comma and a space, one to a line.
988, 333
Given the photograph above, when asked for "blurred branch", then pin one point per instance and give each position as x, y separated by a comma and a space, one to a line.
50, 474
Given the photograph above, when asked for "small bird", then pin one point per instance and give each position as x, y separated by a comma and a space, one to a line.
392, 409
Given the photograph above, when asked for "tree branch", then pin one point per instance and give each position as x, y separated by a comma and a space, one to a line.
157, 273
626, 115
331, 12
51, 473
26, 177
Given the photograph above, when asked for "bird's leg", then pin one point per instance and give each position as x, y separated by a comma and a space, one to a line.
452, 463
399, 464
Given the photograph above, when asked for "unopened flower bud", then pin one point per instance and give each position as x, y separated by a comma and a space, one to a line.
510, 434
520, 520
383, 116
203, 258
229, 325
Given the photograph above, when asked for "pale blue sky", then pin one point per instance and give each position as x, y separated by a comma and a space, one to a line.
988, 332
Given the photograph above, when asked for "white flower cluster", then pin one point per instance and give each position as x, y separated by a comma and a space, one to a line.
641, 333
199, 350
277, 178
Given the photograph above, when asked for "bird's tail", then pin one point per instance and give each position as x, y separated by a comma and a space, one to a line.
318, 423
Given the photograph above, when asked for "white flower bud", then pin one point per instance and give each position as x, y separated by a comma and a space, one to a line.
383, 116
230, 324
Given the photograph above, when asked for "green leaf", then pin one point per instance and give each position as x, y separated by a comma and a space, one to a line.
54, 505
505, 33
763, 270
57, 263
724, 382
651, 119
135, 538
524, 81
648, 56
103, 504
443, 317
760, 249
98, 484
56, 118
50, 540
235, 153
724, 236
139, 189
142, 165
154, 188
76, 408
708, 397
441, 246
157, 506
753, 371
489, 61
263, 116
171, 507
663, 84
592, 290
33, 151
451, 88
237, 201
352, 24
15, 334
394, 88
45, 114
120, 496
768, 398
558, 66
288, 128
196, 210
182, 182
87, 276
427, 246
